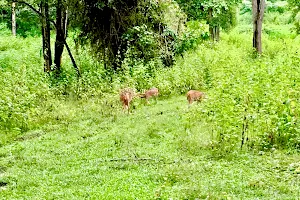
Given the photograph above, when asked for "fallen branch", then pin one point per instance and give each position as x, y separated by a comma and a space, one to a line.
145, 159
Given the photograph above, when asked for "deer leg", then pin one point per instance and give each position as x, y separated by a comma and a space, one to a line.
156, 97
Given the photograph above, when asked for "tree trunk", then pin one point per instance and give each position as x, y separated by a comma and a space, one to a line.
46, 35
60, 33
217, 33
72, 59
66, 22
13, 19
214, 32
258, 7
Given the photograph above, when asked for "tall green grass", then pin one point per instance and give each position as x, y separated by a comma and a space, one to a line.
257, 97
254, 99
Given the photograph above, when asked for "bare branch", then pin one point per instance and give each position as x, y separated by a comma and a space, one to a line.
30, 6
35, 10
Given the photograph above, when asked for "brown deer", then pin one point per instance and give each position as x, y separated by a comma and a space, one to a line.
194, 95
153, 92
126, 96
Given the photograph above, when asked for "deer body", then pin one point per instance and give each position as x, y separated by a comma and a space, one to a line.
194, 95
126, 96
153, 92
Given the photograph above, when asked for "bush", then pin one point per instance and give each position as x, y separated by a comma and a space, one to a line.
254, 99
23, 86
271, 6
279, 6
195, 34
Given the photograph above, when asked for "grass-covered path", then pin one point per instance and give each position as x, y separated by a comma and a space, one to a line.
85, 151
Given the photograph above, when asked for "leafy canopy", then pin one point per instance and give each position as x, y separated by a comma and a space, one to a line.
221, 13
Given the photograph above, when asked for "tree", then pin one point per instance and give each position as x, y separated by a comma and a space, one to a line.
43, 13
13, 19
44, 7
217, 13
258, 7
116, 29
61, 29
60, 26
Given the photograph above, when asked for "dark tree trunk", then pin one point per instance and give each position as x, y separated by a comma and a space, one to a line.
214, 30
13, 19
258, 7
46, 35
72, 59
60, 33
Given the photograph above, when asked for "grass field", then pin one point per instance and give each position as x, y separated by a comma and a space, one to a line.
150, 154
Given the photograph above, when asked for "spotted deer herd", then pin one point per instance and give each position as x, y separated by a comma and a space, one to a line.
128, 94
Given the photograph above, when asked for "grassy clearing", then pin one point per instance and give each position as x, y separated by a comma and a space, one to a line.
152, 153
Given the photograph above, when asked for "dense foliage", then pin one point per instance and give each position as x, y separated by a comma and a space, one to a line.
295, 7
118, 29
216, 13
28, 23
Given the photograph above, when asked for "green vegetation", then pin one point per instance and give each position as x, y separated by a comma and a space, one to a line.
67, 137
295, 8
157, 152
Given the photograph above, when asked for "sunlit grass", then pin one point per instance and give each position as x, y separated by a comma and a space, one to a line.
154, 152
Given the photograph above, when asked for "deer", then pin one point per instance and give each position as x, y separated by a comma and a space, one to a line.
126, 96
194, 95
153, 92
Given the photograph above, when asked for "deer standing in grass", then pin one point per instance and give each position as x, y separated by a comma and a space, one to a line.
126, 96
153, 92
194, 95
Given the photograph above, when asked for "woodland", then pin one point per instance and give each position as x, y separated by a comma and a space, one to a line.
64, 133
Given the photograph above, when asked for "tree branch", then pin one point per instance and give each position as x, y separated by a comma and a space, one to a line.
35, 10
30, 6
